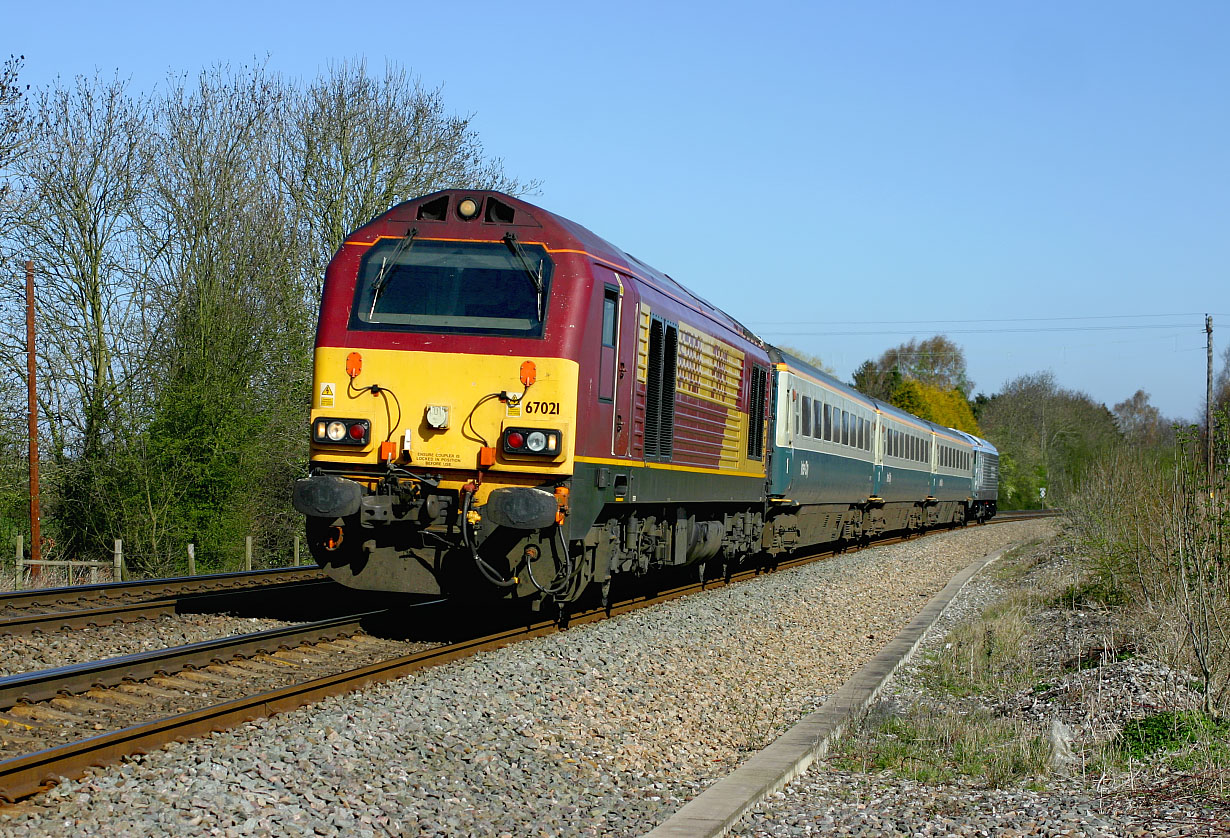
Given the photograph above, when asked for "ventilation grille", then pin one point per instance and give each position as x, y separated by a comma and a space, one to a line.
660, 390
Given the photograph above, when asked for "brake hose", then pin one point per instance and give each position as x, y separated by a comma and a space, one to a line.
489, 573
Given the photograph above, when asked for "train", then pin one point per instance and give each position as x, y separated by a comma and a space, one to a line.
506, 405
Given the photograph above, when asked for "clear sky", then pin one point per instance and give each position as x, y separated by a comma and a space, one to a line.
1046, 183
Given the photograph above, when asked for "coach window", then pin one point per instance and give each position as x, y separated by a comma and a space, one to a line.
817, 419
805, 428
828, 422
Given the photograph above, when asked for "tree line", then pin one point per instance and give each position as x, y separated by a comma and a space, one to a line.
1048, 436
180, 239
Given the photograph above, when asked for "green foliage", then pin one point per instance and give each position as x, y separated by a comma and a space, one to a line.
908, 395
1047, 438
1102, 590
1169, 731
944, 407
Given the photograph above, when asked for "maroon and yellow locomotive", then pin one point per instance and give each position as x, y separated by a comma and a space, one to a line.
503, 399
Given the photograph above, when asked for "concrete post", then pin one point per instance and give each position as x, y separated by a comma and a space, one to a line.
21, 560
296, 551
191, 559
247, 559
119, 560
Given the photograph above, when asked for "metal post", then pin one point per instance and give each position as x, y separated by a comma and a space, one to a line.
21, 558
247, 560
32, 400
1208, 409
119, 560
191, 559
296, 551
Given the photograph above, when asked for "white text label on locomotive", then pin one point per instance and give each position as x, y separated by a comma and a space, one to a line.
326, 395
435, 459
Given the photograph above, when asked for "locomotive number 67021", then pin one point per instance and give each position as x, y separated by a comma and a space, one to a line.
542, 408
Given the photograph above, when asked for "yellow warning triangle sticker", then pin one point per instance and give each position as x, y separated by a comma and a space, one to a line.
326, 390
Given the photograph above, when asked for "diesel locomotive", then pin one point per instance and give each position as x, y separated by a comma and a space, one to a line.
505, 402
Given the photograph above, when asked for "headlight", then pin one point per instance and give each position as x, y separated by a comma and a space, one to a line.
337, 431
536, 441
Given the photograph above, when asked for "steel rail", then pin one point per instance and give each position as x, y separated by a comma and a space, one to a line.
25, 775
126, 612
161, 588
78, 678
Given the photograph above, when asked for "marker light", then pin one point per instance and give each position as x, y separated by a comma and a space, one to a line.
342, 431
532, 441
468, 208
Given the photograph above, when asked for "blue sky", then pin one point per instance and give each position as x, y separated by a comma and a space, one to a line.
1046, 183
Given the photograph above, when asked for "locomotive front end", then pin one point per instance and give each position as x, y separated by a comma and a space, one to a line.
444, 406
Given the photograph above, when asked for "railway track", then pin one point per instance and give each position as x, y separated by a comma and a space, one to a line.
61, 722
64, 609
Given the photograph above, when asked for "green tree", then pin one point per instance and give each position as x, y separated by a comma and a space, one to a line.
1051, 435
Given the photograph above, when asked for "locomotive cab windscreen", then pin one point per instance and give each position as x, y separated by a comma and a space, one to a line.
469, 288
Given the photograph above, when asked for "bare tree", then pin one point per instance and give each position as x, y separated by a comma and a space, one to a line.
85, 181
358, 144
14, 135
936, 362
815, 360
1140, 422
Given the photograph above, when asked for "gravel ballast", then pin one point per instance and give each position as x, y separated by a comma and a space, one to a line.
30, 653
601, 730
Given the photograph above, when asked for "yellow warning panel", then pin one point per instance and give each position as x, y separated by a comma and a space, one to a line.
327, 393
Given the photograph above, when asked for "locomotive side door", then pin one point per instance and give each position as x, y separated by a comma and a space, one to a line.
617, 356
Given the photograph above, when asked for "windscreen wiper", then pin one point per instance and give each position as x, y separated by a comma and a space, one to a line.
510, 239
382, 278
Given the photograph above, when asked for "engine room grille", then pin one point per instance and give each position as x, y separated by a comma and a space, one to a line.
660, 389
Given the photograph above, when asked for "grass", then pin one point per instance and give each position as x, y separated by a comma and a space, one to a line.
988, 655
940, 744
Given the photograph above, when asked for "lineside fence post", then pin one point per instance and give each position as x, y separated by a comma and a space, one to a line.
247, 554
118, 555
21, 559
296, 551
191, 559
